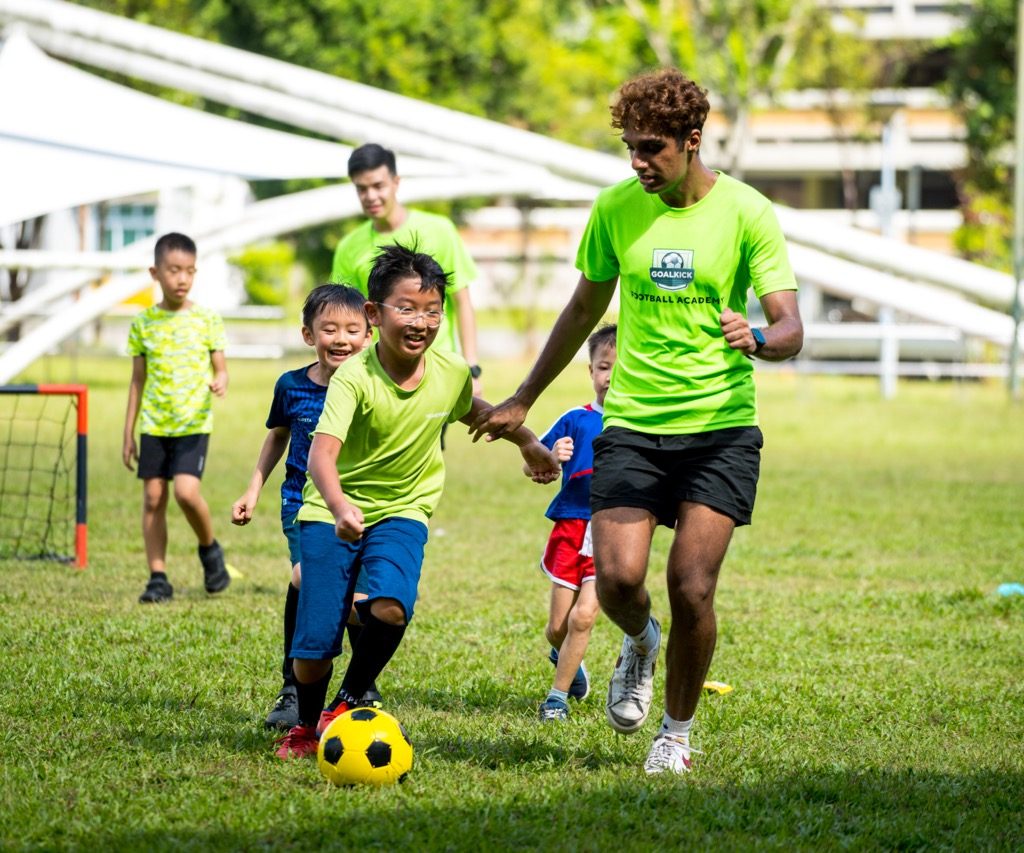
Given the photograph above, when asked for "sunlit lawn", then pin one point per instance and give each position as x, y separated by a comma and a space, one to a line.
878, 679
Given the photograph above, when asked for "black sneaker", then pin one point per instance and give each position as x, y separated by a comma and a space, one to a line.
157, 590
371, 698
285, 713
215, 573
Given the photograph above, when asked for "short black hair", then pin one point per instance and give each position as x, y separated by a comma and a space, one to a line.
604, 336
173, 242
325, 296
396, 262
371, 156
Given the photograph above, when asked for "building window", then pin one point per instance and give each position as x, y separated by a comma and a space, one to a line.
123, 224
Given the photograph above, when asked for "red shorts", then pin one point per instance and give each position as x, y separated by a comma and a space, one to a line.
562, 560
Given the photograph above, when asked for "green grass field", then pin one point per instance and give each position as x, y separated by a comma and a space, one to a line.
879, 681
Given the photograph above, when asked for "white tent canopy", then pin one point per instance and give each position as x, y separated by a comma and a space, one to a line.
68, 138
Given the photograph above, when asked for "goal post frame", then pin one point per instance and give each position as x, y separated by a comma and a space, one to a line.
81, 392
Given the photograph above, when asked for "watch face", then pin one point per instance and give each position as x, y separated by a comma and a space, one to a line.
475, 371
758, 337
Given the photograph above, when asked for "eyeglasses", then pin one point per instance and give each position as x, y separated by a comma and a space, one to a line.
409, 315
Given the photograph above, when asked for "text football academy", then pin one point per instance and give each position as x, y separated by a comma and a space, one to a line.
672, 270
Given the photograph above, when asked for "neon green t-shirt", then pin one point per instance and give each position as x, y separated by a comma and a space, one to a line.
176, 346
432, 234
390, 464
679, 268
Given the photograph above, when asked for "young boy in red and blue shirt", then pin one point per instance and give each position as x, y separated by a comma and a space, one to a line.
568, 559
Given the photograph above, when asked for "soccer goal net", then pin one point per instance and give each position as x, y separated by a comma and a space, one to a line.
43, 472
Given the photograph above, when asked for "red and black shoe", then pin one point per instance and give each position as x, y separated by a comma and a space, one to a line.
300, 742
327, 716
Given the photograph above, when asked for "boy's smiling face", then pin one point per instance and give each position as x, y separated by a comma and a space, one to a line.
407, 342
337, 333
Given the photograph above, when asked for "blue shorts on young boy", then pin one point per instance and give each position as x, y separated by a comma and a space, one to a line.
386, 559
291, 529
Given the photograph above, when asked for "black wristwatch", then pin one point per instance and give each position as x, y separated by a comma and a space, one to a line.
475, 371
758, 339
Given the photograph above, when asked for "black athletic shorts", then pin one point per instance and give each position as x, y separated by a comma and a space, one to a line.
165, 456
658, 472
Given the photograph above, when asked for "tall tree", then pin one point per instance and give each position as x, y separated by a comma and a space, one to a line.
738, 49
982, 84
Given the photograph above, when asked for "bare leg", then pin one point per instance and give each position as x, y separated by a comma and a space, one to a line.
622, 546
701, 541
193, 505
310, 671
154, 522
577, 636
562, 599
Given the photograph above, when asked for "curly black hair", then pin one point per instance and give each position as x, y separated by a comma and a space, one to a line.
665, 102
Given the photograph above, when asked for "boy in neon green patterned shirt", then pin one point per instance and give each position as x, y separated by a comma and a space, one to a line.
173, 346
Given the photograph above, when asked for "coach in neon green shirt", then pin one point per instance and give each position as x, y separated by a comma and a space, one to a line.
373, 172
681, 445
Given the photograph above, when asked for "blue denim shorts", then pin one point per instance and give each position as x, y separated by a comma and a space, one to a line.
389, 556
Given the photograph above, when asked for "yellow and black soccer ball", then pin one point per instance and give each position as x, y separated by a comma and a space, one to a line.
365, 746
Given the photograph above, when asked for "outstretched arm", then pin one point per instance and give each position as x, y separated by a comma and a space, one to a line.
274, 446
562, 449
584, 309
542, 465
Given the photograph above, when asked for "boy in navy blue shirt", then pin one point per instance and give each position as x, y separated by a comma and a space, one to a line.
568, 559
334, 323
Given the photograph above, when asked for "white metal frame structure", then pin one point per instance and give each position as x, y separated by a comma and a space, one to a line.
451, 155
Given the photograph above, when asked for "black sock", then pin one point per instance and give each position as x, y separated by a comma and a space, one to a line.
291, 609
378, 642
311, 699
354, 630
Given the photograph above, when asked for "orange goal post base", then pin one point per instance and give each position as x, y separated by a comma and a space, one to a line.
43, 472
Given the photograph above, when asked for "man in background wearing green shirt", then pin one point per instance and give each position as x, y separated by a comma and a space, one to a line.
681, 445
373, 173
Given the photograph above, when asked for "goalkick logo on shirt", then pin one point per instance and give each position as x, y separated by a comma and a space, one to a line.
672, 269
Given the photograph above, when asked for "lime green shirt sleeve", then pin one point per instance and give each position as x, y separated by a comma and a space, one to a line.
465, 401
340, 405
342, 270
767, 256
216, 337
596, 257
462, 265
135, 342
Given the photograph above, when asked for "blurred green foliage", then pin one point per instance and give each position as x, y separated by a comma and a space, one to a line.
982, 83
267, 268
552, 66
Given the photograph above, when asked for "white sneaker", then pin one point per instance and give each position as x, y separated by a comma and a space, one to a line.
668, 753
632, 684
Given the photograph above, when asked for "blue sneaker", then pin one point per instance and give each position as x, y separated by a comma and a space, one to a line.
553, 711
580, 687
